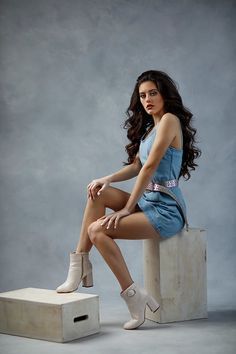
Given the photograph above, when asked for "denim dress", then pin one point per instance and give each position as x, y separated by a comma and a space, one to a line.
161, 209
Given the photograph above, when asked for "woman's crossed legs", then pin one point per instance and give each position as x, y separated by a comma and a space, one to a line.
135, 226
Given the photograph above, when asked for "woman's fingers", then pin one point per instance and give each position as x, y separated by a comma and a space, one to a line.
116, 222
104, 220
101, 189
95, 187
113, 218
111, 221
92, 190
89, 190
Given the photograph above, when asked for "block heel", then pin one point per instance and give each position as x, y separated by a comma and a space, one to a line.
152, 304
87, 281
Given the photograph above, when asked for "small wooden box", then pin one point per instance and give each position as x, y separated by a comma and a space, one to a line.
45, 314
175, 274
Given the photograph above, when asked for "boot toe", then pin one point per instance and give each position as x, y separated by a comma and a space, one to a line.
66, 288
133, 324
60, 289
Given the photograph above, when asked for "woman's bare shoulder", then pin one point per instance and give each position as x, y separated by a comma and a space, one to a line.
169, 116
170, 119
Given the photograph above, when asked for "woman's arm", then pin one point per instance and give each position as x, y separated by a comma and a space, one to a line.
127, 172
167, 131
98, 185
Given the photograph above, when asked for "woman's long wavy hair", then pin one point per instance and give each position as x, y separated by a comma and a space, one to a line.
138, 121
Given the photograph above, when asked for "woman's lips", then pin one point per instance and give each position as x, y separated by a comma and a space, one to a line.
150, 106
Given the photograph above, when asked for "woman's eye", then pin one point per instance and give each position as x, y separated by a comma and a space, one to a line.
153, 93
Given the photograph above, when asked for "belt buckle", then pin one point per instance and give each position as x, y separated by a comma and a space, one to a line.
156, 187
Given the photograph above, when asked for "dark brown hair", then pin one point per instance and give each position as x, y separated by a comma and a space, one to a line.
139, 121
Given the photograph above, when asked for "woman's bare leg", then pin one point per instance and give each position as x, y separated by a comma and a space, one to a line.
112, 198
80, 267
132, 227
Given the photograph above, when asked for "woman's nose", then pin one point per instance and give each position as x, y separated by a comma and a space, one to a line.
148, 98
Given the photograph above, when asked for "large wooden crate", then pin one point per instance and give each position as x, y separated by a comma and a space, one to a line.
175, 274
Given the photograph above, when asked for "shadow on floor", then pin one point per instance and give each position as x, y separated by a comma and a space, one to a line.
222, 316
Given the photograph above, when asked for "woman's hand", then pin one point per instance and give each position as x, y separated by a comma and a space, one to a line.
113, 218
97, 186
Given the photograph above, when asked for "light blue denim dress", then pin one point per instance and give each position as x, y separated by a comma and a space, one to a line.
161, 209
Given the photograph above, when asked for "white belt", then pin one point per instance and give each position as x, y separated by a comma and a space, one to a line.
169, 184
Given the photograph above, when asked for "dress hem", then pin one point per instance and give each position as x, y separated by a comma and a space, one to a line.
157, 228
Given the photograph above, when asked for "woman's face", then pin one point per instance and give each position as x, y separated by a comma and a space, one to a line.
151, 99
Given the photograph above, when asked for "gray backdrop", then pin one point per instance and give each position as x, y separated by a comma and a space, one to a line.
67, 71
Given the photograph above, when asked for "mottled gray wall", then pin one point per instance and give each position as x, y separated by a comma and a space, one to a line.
66, 74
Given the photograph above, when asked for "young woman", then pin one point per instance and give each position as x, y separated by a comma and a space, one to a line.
160, 152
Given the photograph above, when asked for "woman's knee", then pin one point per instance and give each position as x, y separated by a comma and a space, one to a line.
101, 198
95, 232
112, 198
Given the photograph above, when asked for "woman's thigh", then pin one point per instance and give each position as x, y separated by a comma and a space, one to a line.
135, 226
114, 198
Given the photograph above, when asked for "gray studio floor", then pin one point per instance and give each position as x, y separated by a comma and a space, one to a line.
217, 334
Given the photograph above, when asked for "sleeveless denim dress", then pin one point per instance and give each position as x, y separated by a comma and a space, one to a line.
161, 209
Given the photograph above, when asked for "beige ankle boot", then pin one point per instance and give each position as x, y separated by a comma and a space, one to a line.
136, 300
80, 270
